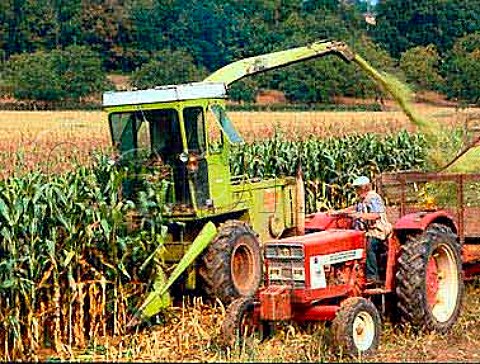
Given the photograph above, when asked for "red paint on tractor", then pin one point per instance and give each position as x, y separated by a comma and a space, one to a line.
316, 313
319, 221
316, 245
431, 281
421, 220
275, 304
328, 242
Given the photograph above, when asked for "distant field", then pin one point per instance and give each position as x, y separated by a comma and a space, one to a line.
57, 137
40, 126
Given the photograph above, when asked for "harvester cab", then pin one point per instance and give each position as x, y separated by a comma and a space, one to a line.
183, 132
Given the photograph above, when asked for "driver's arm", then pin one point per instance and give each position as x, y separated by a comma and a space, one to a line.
370, 216
346, 210
375, 208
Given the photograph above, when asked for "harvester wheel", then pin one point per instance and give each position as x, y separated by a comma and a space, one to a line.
429, 280
241, 324
232, 264
357, 327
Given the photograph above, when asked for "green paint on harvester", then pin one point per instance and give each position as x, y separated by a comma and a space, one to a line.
159, 299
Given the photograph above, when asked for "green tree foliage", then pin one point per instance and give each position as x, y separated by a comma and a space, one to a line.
421, 66
129, 36
29, 25
404, 24
168, 67
243, 90
462, 69
106, 28
80, 70
33, 76
69, 74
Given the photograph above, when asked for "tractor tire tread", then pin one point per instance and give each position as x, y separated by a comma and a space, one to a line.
342, 326
410, 279
215, 262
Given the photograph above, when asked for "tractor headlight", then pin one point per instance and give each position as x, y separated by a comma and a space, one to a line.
192, 163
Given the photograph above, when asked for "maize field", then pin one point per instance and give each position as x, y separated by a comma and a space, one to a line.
329, 165
72, 269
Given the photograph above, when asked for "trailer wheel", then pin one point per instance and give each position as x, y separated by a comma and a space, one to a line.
240, 324
429, 280
231, 267
357, 327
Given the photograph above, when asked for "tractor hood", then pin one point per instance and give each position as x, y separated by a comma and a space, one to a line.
321, 243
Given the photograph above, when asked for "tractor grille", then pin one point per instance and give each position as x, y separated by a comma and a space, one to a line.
286, 265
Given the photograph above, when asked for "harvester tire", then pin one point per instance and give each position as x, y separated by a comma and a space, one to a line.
429, 280
241, 325
357, 328
231, 266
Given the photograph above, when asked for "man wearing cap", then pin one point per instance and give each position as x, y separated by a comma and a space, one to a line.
370, 216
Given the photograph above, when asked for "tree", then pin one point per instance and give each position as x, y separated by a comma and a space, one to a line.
243, 90
33, 76
106, 27
462, 69
405, 24
80, 71
69, 74
168, 67
421, 66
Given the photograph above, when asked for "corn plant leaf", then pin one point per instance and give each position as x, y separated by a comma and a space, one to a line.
5, 211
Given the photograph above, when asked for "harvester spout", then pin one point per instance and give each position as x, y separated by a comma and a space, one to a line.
250, 66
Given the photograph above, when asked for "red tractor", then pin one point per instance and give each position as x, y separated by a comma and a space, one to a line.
320, 276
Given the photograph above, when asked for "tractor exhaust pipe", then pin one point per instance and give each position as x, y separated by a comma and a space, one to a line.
300, 200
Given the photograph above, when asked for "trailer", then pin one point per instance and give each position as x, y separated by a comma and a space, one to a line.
417, 194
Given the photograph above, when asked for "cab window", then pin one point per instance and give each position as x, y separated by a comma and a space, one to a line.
214, 134
194, 128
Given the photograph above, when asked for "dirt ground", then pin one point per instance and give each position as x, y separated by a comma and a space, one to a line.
191, 334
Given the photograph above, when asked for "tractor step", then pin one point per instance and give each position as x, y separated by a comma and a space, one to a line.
372, 291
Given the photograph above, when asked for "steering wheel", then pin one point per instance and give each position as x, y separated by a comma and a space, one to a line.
343, 220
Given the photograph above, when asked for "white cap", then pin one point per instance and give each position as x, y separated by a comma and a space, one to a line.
361, 181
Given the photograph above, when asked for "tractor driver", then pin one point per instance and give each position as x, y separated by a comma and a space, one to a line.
369, 215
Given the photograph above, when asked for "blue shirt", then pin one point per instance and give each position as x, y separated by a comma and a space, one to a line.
373, 203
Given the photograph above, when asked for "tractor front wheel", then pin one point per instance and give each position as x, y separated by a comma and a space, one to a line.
429, 280
231, 267
357, 327
242, 324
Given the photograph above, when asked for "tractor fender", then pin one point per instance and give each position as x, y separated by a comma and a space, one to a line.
419, 221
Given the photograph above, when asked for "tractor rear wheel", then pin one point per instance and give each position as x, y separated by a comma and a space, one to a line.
231, 266
357, 327
241, 324
429, 280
